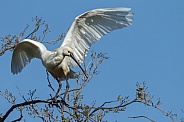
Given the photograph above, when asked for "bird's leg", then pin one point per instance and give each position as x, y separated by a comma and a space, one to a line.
59, 88
67, 88
67, 84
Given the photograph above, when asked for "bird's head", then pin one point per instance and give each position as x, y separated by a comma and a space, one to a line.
67, 51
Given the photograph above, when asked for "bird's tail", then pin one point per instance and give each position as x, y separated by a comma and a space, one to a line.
72, 75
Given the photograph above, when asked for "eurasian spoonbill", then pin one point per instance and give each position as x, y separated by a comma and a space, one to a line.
85, 30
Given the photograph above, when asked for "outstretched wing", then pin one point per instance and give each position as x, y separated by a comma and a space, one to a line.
24, 52
90, 26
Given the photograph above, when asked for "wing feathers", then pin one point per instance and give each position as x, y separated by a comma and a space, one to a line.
90, 26
24, 52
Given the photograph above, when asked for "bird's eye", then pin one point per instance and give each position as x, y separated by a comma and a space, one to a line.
68, 51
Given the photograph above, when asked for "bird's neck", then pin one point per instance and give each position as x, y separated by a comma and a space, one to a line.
45, 56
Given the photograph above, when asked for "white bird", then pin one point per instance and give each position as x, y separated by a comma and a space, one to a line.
85, 30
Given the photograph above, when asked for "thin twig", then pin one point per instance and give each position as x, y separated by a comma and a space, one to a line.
114, 107
21, 94
20, 118
37, 26
142, 117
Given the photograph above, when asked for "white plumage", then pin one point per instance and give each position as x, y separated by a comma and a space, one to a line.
86, 29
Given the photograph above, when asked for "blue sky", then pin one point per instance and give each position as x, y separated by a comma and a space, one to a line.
151, 50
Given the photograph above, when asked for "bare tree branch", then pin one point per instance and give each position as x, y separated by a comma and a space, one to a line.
142, 117
20, 118
68, 103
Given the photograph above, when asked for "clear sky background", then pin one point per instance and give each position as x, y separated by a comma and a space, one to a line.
151, 50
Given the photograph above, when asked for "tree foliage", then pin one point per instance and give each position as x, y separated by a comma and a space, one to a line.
68, 105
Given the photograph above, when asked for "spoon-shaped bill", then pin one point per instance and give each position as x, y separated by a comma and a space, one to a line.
72, 56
